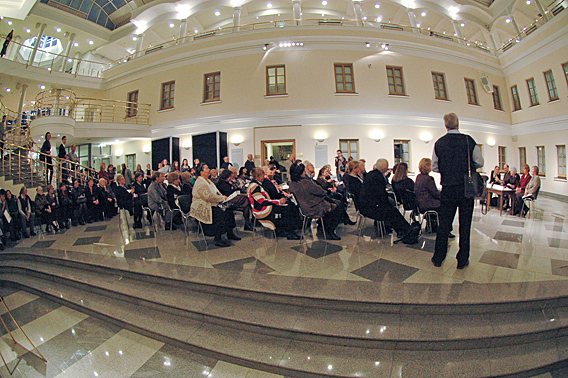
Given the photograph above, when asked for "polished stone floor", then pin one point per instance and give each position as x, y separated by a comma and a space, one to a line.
504, 249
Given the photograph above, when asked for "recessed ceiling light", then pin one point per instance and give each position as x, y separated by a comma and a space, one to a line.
195, 31
424, 13
75, 44
90, 42
418, 25
269, 5
134, 38
8, 89
365, 18
324, 2
217, 13
377, 5
42, 87
462, 24
58, 30
28, 30
9, 22
528, 2
508, 20
171, 24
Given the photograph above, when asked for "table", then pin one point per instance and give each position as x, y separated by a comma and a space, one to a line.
500, 191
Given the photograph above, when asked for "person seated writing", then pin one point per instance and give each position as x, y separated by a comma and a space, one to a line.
374, 203
270, 212
495, 175
314, 201
205, 209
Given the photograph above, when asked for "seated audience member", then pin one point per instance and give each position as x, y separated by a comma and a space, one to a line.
44, 210
495, 175
270, 185
310, 170
530, 191
401, 182
103, 173
239, 202
353, 180
506, 175
137, 190
184, 166
213, 176
186, 186
157, 198
270, 212
334, 191
94, 206
175, 167
53, 202
173, 191
313, 201
27, 213
79, 204
226, 163
107, 199
205, 209
242, 179
12, 208
6, 223
374, 203
511, 182
516, 198
65, 205
362, 168
124, 196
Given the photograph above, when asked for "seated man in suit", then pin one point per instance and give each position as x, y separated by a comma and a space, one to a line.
374, 203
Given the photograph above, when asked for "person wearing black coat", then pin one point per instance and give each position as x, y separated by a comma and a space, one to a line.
65, 205
78, 204
107, 199
62, 154
138, 189
45, 156
173, 191
94, 208
55, 208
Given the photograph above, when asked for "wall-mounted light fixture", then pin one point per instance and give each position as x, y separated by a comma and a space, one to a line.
187, 144
425, 137
118, 152
147, 149
377, 135
321, 136
236, 140
490, 142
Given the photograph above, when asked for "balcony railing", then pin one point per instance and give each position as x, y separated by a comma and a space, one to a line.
63, 102
81, 67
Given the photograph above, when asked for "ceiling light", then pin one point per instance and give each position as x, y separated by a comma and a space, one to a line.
508, 20
90, 42
134, 38
58, 30
171, 24
377, 5
69, 60
42, 87
424, 13
324, 2
367, 44
76, 44
9, 22
365, 18
269, 5
528, 2
8, 89
418, 25
195, 31
265, 46
28, 30
462, 24
379, 19
217, 13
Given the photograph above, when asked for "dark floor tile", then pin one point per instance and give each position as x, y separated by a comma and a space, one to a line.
95, 228
558, 243
513, 223
146, 253
555, 227
174, 362
508, 236
559, 373
559, 267
28, 313
87, 241
499, 258
141, 235
385, 271
424, 244
43, 243
5, 291
201, 246
248, 264
318, 249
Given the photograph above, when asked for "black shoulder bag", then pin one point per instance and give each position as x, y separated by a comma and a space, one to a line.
472, 180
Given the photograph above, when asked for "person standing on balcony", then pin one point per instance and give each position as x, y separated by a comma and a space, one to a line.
2, 136
45, 157
62, 154
72, 156
6, 43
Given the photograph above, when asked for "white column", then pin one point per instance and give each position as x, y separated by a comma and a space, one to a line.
236, 16
21, 104
76, 63
457, 31
496, 40
139, 44
297, 9
412, 19
34, 51
13, 48
358, 11
66, 52
183, 29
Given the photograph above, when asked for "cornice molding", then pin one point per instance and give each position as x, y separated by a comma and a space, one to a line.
559, 123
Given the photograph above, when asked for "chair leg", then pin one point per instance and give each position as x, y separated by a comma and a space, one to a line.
360, 226
323, 230
202, 233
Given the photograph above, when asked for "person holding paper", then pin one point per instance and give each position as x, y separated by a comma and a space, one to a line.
235, 199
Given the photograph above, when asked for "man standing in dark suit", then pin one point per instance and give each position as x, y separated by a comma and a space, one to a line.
451, 156
249, 164
374, 203
62, 154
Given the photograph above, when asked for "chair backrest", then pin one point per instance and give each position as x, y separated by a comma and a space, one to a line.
185, 203
144, 199
409, 201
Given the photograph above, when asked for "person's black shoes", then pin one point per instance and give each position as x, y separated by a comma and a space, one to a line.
232, 236
436, 264
333, 236
292, 236
248, 227
461, 266
451, 236
221, 243
349, 222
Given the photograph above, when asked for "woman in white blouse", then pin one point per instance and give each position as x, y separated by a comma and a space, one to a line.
204, 207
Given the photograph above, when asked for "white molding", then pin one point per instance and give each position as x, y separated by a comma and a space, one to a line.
538, 126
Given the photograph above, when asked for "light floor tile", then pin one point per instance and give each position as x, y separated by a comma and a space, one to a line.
16, 300
226, 370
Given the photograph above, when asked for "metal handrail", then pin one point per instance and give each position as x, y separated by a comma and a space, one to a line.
26, 156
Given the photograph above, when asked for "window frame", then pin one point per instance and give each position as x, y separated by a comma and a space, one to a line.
206, 91
402, 141
393, 70
550, 82
132, 104
565, 69
436, 81
561, 160
343, 65
522, 156
347, 153
516, 98
471, 92
171, 85
275, 66
502, 156
541, 160
533, 94
497, 104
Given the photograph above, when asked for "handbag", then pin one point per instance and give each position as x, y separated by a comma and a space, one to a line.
473, 183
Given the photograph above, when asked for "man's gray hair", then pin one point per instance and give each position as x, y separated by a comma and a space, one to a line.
119, 177
382, 164
513, 169
451, 121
